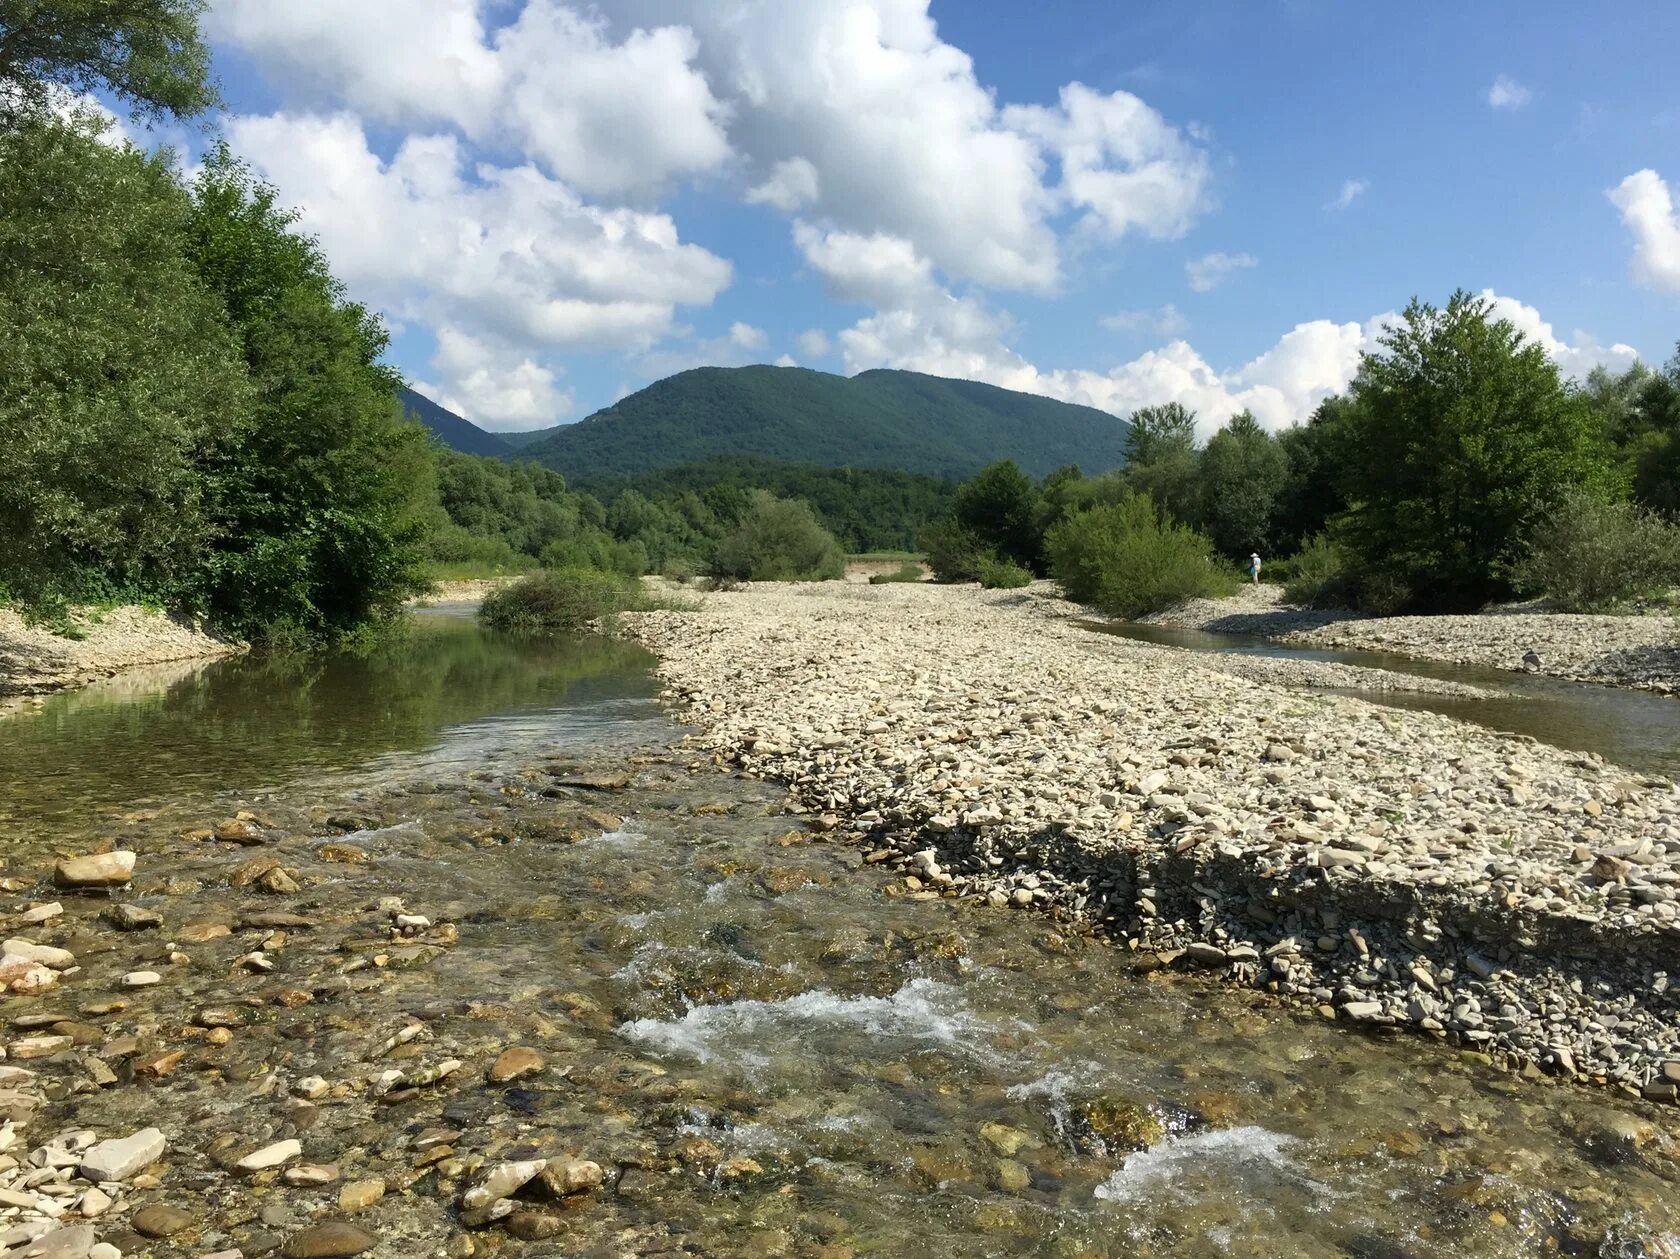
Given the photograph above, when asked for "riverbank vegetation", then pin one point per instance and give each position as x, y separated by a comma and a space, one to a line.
1459, 468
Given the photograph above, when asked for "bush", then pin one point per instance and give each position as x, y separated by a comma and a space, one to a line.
1128, 560
996, 574
1590, 554
904, 572
953, 553
561, 601
1318, 577
779, 539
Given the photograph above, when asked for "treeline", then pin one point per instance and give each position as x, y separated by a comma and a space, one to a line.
1460, 467
499, 516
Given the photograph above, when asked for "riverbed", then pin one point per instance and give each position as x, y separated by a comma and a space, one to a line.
768, 1043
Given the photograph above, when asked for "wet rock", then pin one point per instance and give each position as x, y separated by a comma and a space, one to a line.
269, 1156
343, 854
44, 954
241, 831
128, 917
104, 869
1118, 1124
564, 1177
336, 1239
74, 1242
501, 1181
534, 1226
160, 1220
1007, 1141
311, 1175
120, 1159
359, 1195
515, 1063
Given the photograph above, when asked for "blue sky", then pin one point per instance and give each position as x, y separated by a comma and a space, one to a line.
1217, 202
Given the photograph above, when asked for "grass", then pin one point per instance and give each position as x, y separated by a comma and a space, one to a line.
473, 570
885, 557
906, 572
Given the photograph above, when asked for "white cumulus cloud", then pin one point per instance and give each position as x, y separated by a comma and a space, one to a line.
1164, 321
814, 343
498, 387
1507, 93
1352, 190
1647, 208
1211, 270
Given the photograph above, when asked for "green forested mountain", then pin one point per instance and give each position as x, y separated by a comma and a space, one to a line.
454, 432
879, 419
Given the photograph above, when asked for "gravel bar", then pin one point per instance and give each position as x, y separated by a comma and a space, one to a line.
1389, 869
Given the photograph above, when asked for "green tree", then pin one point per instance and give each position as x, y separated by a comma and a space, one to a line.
1243, 471
1312, 492
1000, 506
780, 539
1464, 434
119, 364
1162, 460
147, 52
319, 497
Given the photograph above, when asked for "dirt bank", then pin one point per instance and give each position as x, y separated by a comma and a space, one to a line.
35, 660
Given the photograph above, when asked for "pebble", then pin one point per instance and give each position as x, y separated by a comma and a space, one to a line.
335, 1239
359, 1195
270, 1156
105, 869
515, 1063
141, 979
160, 1220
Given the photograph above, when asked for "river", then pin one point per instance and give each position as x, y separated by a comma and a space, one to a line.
768, 1048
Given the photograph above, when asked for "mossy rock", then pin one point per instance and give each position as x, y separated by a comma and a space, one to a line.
1113, 1125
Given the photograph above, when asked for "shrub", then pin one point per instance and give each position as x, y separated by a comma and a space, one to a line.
561, 601
1591, 554
1128, 560
996, 574
779, 539
1318, 576
904, 572
953, 553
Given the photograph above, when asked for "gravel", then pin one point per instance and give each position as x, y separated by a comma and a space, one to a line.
1389, 869
34, 660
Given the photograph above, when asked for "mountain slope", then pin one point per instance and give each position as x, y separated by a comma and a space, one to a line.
449, 428
879, 419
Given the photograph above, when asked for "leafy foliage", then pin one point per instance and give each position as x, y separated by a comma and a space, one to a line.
560, 601
878, 419
1243, 471
1319, 576
319, 494
779, 539
1129, 559
120, 364
1000, 574
1001, 508
1590, 554
1465, 433
147, 52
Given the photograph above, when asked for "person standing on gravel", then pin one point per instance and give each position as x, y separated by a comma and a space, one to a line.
1254, 568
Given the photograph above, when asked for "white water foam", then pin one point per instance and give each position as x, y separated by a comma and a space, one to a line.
1242, 1151
923, 1010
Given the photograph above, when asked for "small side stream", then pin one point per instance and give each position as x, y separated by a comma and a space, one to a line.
1632, 728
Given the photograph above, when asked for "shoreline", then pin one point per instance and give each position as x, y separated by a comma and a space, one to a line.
36, 661
1637, 651
1391, 870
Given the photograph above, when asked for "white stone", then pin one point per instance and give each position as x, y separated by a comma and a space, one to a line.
500, 1181
118, 1159
141, 979
270, 1156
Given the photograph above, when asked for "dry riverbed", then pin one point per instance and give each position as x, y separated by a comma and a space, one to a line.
1387, 869
34, 660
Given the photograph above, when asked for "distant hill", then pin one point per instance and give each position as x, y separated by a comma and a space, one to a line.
518, 441
879, 419
451, 429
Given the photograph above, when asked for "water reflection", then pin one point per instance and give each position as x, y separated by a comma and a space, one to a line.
1636, 729
443, 688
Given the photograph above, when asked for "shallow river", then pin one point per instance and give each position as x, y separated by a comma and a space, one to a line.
1638, 729
769, 1051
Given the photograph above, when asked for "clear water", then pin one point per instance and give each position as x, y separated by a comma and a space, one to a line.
1637, 729
769, 1053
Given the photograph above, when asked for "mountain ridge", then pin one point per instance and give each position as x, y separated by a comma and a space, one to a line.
452, 430
883, 418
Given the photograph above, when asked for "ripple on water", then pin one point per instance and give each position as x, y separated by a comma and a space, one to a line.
923, 1011
1249, 1155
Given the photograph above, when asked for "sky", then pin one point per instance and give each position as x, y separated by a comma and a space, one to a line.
1216, 202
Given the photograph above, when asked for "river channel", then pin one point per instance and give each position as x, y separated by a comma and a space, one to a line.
766, 1045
